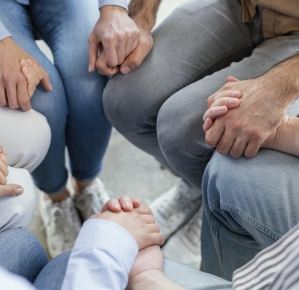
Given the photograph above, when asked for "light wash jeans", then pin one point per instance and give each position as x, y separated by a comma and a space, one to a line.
248, 204
74, 108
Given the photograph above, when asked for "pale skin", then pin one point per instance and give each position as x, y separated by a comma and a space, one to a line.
33, 74
147, 271
120, 41
7, 189
261, 110
284, 138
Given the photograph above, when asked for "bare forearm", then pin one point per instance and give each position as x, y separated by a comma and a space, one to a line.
144, 12
286, 138
153, 280
284, 78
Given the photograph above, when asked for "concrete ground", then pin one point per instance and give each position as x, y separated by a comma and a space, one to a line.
127, 170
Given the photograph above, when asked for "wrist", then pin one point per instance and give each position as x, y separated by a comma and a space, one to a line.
146, 280
107, 9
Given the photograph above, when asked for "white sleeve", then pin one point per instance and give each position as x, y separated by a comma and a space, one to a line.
121, 3
3, 31
102, 257
11, 281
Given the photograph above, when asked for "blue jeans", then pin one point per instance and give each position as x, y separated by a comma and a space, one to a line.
248, 203
74, 108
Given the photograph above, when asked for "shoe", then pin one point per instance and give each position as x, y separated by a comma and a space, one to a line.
61, 222
184, 246
175, 207
91, 200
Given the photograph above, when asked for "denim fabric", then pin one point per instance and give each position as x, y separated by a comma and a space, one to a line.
74, 108
248, 204
21, 253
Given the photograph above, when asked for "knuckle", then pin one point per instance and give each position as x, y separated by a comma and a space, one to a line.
108, 38
210, 139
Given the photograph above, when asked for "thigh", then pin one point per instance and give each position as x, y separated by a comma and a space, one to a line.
188, 45
51, 277
179, 123
248, 204
192, 279
21, 253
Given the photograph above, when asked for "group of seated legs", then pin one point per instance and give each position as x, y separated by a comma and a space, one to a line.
226, 207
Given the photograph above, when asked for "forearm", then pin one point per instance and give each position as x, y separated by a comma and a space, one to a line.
153, 279
286, 137
284, 78
144, 12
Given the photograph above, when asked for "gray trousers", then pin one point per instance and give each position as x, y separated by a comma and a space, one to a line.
159, 108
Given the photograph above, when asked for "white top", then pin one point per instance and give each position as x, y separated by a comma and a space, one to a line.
102, 258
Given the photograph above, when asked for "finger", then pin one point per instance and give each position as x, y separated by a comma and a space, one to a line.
229, 102
231, 79
227, 93
3, 168
121, 53
93, 51
207, 124
238, 147
148, 219
136, 202
214, 134
126, 203
225, 143
134, 60
155, 239
23, 96
3, 99
3, 158
23, 62
11, 94
111, 53
3, 179
152, 228
112, 205
129, 47
215, 112
11, 190
252, 149
143, 209
103, 68
1, 149
45, 82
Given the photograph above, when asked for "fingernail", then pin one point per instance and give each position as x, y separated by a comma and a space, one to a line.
89, 68
233, 101
1, 148
125, 70
220, 109
127, 203
51, 87
19, 191
235, 94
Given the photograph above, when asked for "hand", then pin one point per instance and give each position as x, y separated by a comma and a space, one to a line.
124, 203
7, 189
245, 129
116, 35
13, 84
222, 103
141, 226
33, 73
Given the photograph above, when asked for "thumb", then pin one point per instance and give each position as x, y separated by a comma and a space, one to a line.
46, 81
134, 60
11, 190
231, 79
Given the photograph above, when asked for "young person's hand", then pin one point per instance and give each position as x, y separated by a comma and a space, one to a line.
33, 73
13, 84
140, 225
7, 189
124, 203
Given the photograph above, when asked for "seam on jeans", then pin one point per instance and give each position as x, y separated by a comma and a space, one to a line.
251, 221
215, 60
215, 203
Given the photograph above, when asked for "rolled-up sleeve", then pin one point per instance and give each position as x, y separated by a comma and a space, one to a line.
121, 3
3, 31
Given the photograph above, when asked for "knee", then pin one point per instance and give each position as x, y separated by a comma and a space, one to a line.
129, 104
17, 212
26, 138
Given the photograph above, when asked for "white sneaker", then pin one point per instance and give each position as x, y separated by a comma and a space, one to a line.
62, 224
91, 200
184, 246
175, 207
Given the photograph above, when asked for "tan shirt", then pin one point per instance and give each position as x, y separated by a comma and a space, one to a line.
279, 16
